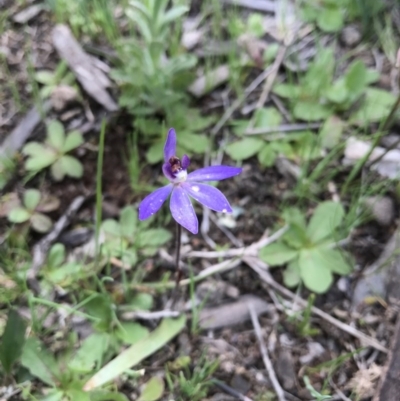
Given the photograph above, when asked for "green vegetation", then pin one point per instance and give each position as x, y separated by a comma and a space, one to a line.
78, 287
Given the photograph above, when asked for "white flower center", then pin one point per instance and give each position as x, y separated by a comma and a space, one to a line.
180, 176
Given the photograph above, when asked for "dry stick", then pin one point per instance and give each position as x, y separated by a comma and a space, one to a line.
259, 267
42, 247
282, 128
250, 250
150, 315
267, 362
237, 103
271, 78
230, 390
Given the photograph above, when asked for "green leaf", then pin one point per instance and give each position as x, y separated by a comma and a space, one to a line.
55, 134
45, 77
31, 198
334, 260
131, 332
12, 340
315, 275
19, 215
41, 223
33, 149
72, 166
375, 107
90, 354
267, 156
356, 79
40, 362
128, 222
331, 132
311, 111
326, 218
142, 301
277, 254
244, 148
173, 14
111, 227
155, 153
267, 117
154, 237
330, 19
57, 170
165, 332
255, 25
72, 141
152, 390
197, 143
288, 91
39, 161
291, 275
56, 255
103, 395
100, 307
54, 395
338, 92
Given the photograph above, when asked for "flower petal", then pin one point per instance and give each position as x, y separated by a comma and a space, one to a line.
182, 210
166, 168
152, 203
185, 162
170, 145
214, 173
208, 196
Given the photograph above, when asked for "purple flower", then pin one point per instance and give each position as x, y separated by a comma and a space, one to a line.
182, 185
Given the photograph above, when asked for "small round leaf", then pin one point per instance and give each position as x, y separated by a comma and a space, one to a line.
55, 134
31, 198
72, 166
73, 140
19, 215
41, 223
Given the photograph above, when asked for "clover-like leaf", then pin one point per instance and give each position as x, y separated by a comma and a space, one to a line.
128, 222
152, 390
311, 111
33, 148
291, 275
154, 237
72, 166
38, 161
31, 199
326, 218
277, 254
330, 19
111, 227
57, 170
41, 223
56, 255
72, 141
335, 260
244, 148
315, 274
55, 134
19, 215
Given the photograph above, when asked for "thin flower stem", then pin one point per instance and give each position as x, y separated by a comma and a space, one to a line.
179, 271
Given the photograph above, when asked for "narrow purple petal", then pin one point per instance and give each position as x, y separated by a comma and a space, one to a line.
185, 162
213, 173
208, 196
182, 210
170, 145
166, 168
152, 203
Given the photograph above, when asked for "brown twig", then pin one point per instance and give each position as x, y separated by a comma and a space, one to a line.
264, 352
260, 267
42, 247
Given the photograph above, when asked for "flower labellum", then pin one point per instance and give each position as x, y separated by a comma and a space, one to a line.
183, 185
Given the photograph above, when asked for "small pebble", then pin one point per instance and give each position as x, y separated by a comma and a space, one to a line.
350, 36
382, 209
